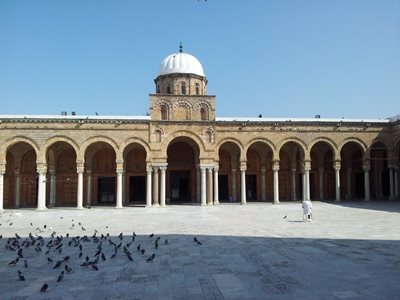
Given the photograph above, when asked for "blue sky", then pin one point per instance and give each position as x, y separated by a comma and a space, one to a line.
279, 58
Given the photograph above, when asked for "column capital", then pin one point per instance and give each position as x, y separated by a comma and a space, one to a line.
163, 168
42, 170
120, 171
337, 164
80, 168
307, 165
216, 168
275, 165
2, 171
366, 168
149, 169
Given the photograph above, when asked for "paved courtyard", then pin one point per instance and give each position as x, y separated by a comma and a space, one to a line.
349, 251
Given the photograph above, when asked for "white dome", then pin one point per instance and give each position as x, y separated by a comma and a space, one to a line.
181, 63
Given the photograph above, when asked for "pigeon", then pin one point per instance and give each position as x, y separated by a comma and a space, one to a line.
284, 217
21, 276
103, 257
129, 256
80, 254
67, 268
142, 251
61, 276
151, 258
85, 264
58, 264
197, 241
120, 236
44, 287
94, 266
25, 264
14, 262
166, 242
138, 247
83, 228
66, 258
151, 235
17, 236
114, 255
50, 260
20, 253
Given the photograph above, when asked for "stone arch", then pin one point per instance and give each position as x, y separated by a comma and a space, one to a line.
295, 140
52, 141
92, 140
188, 134
235, 141
330, 142
266, 141
183, 159
371, 145
355, 140
12, 141
127, 142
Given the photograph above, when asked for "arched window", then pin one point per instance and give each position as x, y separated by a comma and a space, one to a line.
168, 89
183, 88
158, 89
164, 113
197, 89
203, 114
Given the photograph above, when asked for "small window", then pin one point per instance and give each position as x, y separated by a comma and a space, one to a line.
164, 113
158, 89
197, 88
203, 114
183, 88
168, 89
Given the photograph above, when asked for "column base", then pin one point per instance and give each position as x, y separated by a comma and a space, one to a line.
276, 202
162, 205
1, 211
79, 207
156, 205
216, 202
119, 206
367, 200
41, 209
338, 200
243, 203
210, 203
203, 204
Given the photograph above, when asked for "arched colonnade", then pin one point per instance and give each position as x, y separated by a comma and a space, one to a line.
102, 172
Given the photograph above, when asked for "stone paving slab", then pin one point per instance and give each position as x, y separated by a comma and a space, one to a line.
349, 251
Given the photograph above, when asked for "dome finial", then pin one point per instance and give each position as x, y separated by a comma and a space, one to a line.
180, 47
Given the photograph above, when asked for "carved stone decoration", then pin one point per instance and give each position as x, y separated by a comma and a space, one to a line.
40, 137
209, 135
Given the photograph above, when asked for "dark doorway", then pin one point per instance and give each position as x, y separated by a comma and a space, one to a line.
179, 186
312, 186
106, 191
251, 187
223, 188
137, 189
385, 184
359, 191
300, 186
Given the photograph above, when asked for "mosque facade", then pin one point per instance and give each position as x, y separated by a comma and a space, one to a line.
182, 153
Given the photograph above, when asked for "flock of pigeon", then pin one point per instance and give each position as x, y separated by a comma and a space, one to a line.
85, 251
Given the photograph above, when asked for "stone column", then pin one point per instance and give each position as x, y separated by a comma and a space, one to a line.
233, 174
337, 180
80, 170
89, 187
155, 187
275, 168
118, 204
293, 184
216, 196
366, 169
162, 190
53, 186
209, 186
17, 189
304, 183
2, 172
203, 186
243, 185
41, 205
391, 178
307, 168
263, 185
198, 185
349, 183
321, 183
396, 183
148, 186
